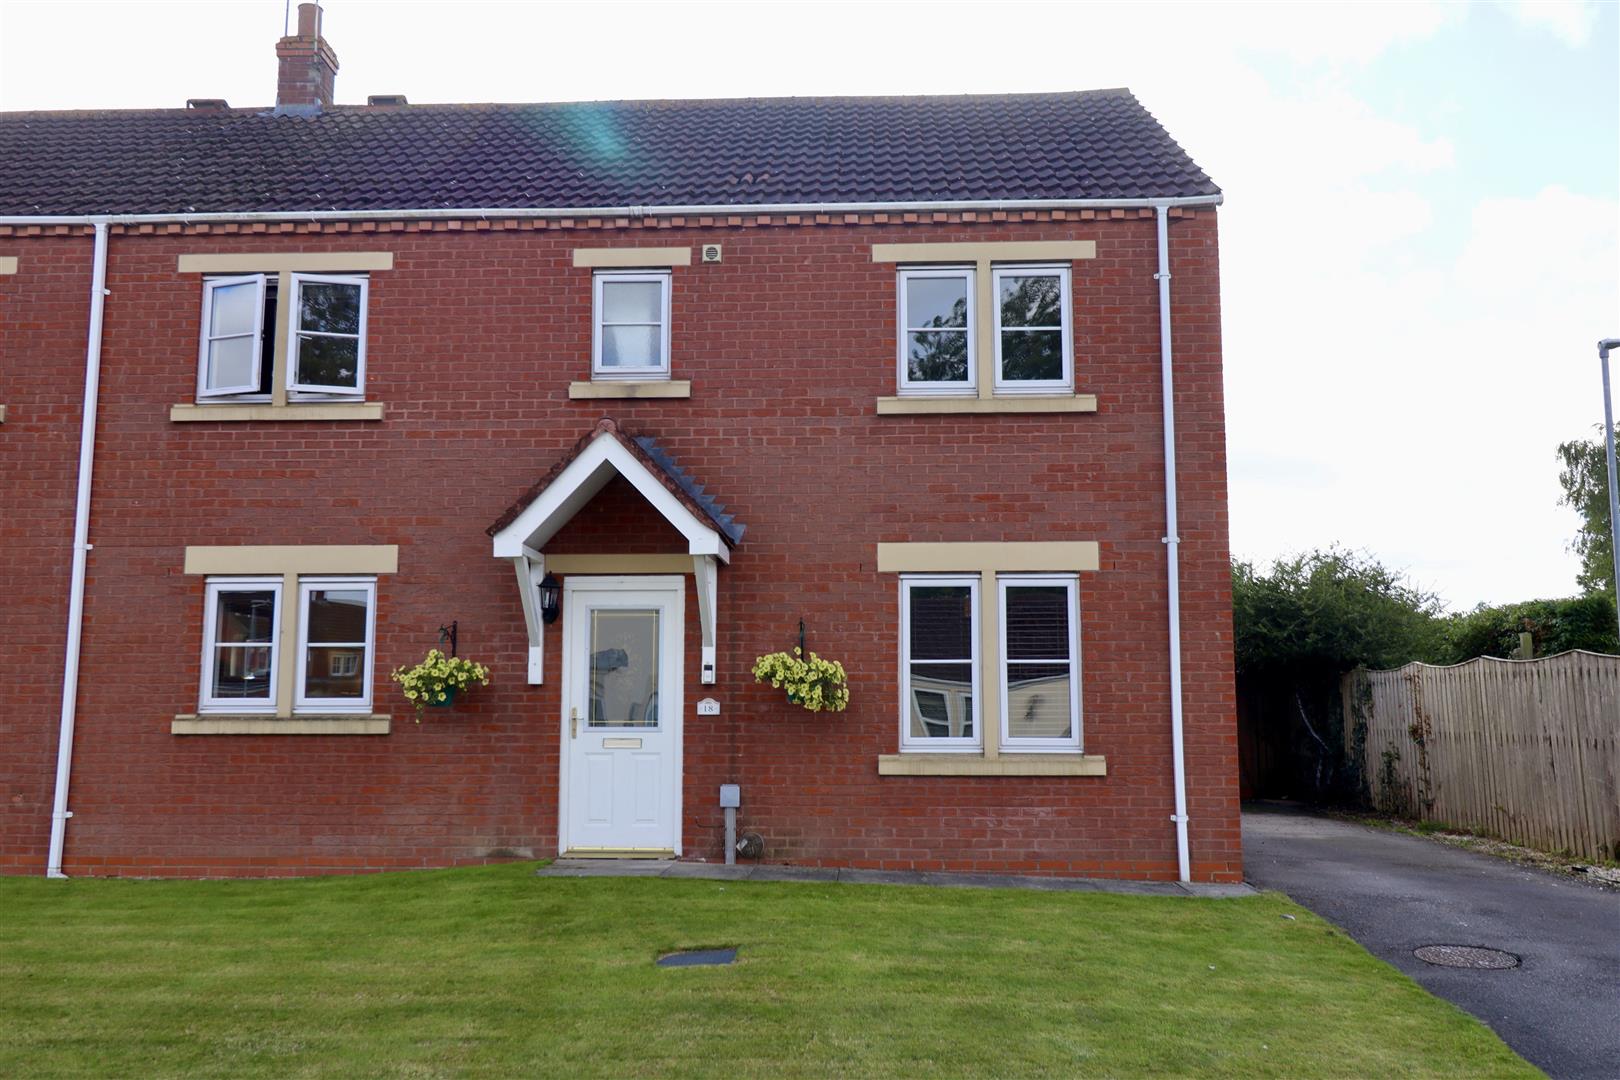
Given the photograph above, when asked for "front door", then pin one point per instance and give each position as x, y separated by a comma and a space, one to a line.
622, 643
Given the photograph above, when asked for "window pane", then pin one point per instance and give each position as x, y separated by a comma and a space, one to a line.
334, 671
1031, 300
336, 615
230, 362
1038, 701
632, 346
624, 669
244, 616
241, 672
325, 361
937, 356
941, 701
1031, 354
941, 622
233, 311
331, 309
1037, 622
933, 301
632, 302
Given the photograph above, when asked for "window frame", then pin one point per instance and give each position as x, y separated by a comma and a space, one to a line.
944, 744
207, 703
1009, 743
210, 286
905, 386
1064, 274
293, 305
302, 702
665, 279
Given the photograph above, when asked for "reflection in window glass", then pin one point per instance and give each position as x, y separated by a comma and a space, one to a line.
328, 329
939, 669
935, 310
1030, 309
336, 621
1038, 663
624, 668
244, 627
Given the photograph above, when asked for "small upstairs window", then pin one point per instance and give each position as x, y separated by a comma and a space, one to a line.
327, 338
238, 354
1034, 330
630, 325
936, 331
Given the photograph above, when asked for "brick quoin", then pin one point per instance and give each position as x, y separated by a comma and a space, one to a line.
474, 337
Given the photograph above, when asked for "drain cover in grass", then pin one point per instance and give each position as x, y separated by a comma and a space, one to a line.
1466, 956
698, 958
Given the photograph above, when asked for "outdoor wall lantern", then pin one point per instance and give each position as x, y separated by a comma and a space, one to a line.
550, 599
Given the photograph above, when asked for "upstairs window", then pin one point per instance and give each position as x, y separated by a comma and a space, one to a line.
1034, 331
936, 330
630, 338
238, 354
327, 338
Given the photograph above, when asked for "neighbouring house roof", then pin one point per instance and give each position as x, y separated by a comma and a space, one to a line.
657, 462
1094, 144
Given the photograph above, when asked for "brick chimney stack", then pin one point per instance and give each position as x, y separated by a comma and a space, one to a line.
308, 66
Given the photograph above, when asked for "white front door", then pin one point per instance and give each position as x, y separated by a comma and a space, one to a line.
622, 663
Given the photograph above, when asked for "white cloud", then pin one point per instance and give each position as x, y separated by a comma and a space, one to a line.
1570, 21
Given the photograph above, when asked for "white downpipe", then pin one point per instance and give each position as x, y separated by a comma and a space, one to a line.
81, 552
1172, 541
610, 211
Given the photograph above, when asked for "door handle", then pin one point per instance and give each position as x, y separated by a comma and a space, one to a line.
573, 723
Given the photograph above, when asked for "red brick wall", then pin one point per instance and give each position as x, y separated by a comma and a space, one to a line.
474, 337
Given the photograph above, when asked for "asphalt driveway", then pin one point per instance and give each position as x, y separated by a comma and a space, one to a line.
1560, 1009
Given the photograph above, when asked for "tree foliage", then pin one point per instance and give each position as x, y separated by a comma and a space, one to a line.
1328, 612
1585, 479
1555, 626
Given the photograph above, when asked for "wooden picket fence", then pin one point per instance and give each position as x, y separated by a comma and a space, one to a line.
1527, 750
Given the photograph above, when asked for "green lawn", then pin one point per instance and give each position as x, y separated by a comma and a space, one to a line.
492, 971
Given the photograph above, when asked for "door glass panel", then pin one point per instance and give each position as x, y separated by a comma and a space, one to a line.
624, 668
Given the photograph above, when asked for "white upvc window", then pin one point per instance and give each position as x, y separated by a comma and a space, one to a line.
1034, 328
630, 324
937, 350
231, 359
241, 632
336, 631
1040, 662
326, 335
939, 663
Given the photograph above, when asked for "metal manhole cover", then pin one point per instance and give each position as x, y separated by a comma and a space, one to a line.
1466, 956
698, 958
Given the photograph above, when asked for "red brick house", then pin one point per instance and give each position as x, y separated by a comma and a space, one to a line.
631, 393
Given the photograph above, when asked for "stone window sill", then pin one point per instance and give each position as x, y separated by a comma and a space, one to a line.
1026, 403
214, 724
660, 388
1005, 765
318, 410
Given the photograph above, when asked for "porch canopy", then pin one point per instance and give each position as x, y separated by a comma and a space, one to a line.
603, 453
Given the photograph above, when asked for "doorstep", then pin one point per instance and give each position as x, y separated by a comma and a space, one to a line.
566, 867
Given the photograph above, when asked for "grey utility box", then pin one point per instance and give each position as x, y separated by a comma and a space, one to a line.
730, 796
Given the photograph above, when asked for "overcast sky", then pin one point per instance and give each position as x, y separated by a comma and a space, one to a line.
1418, 245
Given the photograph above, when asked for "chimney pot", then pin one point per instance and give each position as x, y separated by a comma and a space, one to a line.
307, 65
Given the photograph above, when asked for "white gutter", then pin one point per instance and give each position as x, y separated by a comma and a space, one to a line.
1172, 542
614, 211
81, 551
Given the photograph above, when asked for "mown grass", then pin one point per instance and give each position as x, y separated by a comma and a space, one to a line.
492, 971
